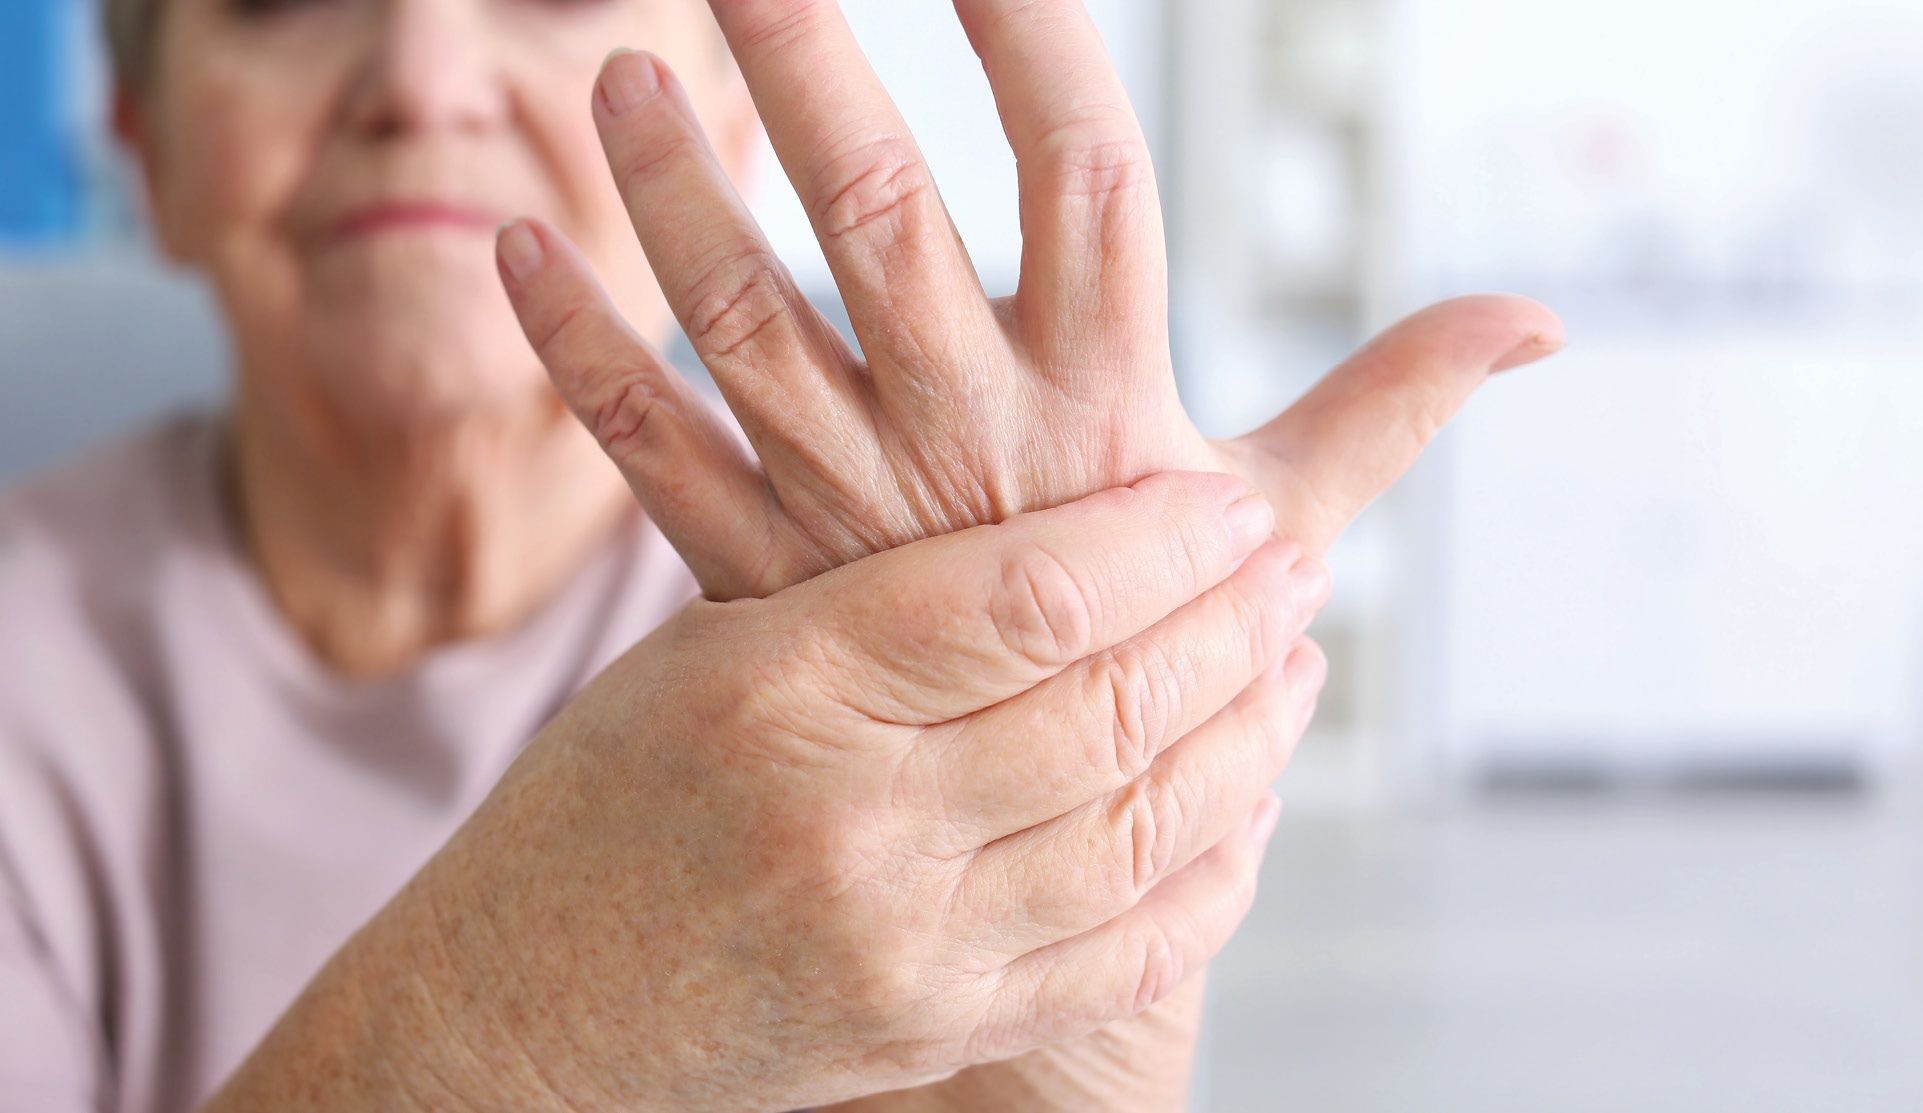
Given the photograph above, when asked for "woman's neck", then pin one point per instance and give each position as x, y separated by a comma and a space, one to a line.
379, 544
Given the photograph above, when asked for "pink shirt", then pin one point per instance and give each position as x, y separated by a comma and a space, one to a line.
194, 812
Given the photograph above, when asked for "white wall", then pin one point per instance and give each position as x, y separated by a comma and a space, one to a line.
1700, 530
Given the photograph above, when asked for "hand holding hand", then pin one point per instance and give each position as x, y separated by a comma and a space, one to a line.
794, 850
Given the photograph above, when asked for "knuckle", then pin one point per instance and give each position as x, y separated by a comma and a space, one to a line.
1148, 822
643, 160
879, 182
1426, 407
1139, 682
559, 336
1041, 611
1159, 968
1096, 156
778, 24
621, 424
739, 300
896, 983
821, 853
1419, 427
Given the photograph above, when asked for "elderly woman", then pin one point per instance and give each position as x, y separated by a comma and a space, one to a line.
374, 743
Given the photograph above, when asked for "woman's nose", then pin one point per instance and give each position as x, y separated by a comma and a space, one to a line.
429, 65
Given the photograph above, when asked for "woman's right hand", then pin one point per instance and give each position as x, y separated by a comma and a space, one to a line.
938, 807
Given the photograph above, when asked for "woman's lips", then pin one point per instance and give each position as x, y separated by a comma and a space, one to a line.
415, 216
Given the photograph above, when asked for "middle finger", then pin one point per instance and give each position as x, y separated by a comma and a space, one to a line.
912, 293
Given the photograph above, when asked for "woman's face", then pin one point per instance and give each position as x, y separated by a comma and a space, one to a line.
338, 168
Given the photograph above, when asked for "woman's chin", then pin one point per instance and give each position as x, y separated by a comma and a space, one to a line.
425, 363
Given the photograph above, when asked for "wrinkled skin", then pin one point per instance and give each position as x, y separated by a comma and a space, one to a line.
961, 409
965, 409
808, 848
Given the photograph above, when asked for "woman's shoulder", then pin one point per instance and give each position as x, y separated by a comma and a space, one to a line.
116, 490
79, 547
82, 768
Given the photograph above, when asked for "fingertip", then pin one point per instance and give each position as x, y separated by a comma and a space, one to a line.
518, 251
1534, 347
628, 79
1263, 819
1539, 329
1251, 522
1306, 667
1311, 584
1486, 332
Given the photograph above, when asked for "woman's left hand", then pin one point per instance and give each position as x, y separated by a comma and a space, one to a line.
966, 409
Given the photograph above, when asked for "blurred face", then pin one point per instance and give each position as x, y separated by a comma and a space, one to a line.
338, 169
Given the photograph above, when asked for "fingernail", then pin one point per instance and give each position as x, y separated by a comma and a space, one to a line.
519, 249
1311, 585
1251, 522
1305, 669
627, 78
1262, 821
1534, 347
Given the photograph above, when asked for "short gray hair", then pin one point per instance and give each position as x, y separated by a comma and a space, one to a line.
131, 27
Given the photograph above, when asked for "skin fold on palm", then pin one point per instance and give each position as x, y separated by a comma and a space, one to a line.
960, 409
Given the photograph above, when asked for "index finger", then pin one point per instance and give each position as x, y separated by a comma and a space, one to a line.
949, 626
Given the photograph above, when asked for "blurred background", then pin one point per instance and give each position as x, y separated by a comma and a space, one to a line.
1613, 802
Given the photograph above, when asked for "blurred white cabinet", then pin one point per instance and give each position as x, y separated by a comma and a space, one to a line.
1689, 548
1696, 537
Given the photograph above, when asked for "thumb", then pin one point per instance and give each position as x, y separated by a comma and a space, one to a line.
1345, 442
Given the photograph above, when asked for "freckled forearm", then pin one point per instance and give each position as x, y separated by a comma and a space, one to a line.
383, 1027
328, 1050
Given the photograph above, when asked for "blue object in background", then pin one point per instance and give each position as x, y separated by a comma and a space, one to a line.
40, 179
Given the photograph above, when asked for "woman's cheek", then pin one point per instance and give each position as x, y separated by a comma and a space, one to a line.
573, 170
234, 156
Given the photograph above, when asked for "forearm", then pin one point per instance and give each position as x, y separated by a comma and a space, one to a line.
1141, 1065
391, 1024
